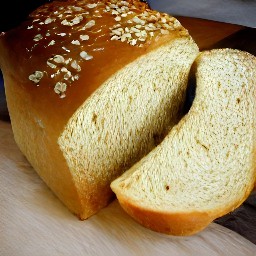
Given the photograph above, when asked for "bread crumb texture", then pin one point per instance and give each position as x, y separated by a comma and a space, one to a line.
206, 164
119, 124
75, 28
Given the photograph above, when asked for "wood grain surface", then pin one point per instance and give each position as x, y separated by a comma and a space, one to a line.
206, 32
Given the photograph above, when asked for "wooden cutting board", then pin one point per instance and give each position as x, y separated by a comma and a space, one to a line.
34, 222
206, 33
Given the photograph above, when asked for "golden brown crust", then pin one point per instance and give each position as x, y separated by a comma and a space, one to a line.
43, 37
56, 59
36, 142
178, 224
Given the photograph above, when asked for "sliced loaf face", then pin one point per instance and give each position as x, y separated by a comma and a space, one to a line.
126, 118
92, 87
205, 167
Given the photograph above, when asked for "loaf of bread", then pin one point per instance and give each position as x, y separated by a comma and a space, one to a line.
92, 86
205, 167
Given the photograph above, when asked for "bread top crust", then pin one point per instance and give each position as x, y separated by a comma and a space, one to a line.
66, 49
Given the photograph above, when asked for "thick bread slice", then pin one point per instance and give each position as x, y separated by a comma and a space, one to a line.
93, 86
205, 167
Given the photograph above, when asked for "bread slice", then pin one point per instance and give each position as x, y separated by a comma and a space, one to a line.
93, 86
205, 167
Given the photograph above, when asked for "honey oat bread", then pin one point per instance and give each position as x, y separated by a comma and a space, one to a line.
91, 87
205, 167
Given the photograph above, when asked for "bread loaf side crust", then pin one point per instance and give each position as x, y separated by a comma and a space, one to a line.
177, 223
67, 50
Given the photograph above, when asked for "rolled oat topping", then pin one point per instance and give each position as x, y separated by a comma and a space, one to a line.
133, 23
36, 77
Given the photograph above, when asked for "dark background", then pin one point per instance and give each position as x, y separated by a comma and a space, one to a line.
14, 11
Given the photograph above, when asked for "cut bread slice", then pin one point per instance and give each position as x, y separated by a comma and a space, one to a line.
205, 167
